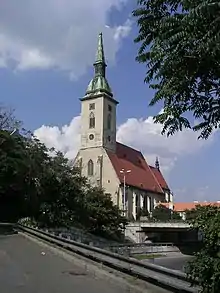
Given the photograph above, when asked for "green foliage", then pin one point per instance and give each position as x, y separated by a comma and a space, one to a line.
102, 217
190, 214
13, 170
176, 216
50, 191
205, 267
143, 213
180, 47
162, 213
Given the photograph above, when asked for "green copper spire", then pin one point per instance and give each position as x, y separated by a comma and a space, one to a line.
100, 56
99, 82
100, 64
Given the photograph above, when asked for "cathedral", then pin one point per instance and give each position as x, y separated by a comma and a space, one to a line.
119, 169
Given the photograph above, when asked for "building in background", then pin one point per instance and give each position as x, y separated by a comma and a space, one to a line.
182, 207
121, 170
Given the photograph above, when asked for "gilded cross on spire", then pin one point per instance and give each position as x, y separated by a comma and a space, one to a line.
100, 64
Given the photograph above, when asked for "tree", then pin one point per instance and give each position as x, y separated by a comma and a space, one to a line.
180, 47
7, 119
205, 267
175, 216
61, 195
22, 163
162, 213
190, 214
69, 200
143, 212
12, 173
50, 190
103, 218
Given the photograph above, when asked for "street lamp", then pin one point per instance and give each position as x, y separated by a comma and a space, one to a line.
124, 172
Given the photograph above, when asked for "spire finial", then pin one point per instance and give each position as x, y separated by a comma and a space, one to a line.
100, 58
157, 164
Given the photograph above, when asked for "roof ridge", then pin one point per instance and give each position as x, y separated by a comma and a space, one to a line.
138, 151
153, 174
153, 169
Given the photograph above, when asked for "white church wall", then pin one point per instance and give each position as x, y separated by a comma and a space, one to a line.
110, 181
104, 172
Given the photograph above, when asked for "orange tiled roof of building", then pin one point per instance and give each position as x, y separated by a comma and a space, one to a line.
182, 206
142, 175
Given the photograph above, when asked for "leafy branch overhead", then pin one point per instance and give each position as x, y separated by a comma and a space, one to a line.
180, 45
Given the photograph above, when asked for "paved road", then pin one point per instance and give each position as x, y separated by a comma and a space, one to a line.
174, 262
27, 267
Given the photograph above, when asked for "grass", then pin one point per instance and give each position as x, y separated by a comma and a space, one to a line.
148, 256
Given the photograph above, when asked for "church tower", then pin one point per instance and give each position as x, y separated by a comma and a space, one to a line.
98, 108
102, 160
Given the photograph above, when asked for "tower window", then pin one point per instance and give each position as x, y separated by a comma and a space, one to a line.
90, 168
109, 108
91, 120
92, 106
109, 121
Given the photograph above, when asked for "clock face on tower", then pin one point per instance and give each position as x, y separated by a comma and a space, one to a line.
91, 136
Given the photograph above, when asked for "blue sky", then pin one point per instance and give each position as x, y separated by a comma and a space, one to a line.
42, 78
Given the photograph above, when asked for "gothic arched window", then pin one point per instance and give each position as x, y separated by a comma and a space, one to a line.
92, 120
109, 121
90, 168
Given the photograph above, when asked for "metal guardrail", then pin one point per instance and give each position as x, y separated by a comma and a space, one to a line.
143, 244
175, 281
142, 248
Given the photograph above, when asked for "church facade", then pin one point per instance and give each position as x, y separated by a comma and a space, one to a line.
119, 169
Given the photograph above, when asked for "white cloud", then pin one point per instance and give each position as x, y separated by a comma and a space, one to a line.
34, 59
65, 139
59, 33
141, 134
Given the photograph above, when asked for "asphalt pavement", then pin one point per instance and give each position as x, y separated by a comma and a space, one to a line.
26, 267
176, 262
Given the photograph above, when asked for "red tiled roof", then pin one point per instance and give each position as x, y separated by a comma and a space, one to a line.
182, 206
141, 175
159, 177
